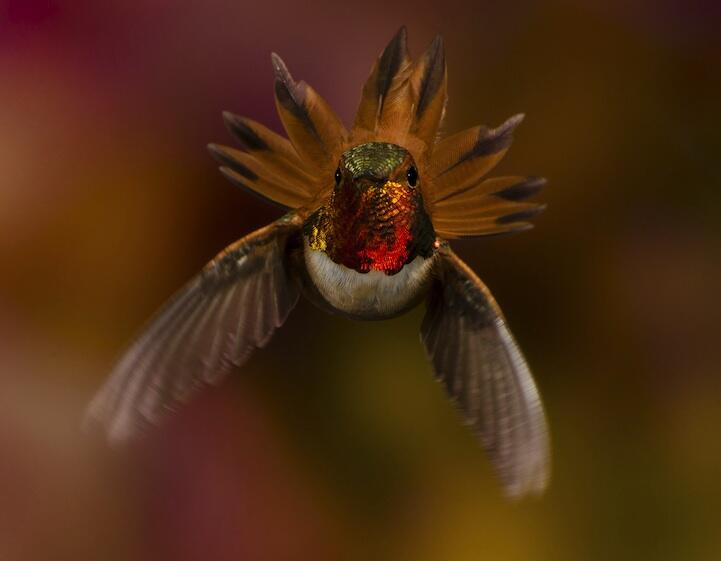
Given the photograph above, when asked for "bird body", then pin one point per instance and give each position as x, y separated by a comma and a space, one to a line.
369, 215
371, 295
369, 250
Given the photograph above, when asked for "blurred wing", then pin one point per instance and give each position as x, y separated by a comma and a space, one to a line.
212, 324
476, 358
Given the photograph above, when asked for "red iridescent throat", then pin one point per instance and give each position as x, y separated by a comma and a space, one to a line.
368, 227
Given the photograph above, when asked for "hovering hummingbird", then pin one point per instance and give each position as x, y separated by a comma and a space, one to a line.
370, 211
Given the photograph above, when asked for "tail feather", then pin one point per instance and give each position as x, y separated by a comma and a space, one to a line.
246, 171
403, 102
385, 94
429, 83
463, 158
491, 206
316, 132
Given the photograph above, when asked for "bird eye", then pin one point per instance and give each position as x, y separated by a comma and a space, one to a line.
412, 176
338, 176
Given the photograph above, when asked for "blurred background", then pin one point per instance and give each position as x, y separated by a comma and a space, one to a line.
335, 442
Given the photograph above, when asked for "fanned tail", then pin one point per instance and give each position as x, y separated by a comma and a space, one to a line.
462, 202
403, 102
492, 206
313, 127
294, 172
385, 98
429, 82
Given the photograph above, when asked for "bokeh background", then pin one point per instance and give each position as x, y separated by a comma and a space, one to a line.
335, 442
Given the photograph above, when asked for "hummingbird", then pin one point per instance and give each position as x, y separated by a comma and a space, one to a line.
369, 215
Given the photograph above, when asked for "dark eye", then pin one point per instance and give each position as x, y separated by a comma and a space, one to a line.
338, 176
412, 176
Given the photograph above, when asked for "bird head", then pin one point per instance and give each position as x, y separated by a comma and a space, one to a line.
375, 218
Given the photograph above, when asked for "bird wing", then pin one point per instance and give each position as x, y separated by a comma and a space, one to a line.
211, 325
476, 358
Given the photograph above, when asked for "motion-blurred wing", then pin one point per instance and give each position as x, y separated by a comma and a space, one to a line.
212, 324
476, 358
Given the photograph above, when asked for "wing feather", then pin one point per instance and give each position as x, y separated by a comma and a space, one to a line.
212, 325
476, 358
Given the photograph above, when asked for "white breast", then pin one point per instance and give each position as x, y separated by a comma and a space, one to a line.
367, 295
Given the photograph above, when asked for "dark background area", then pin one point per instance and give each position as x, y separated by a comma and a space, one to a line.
334, 442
